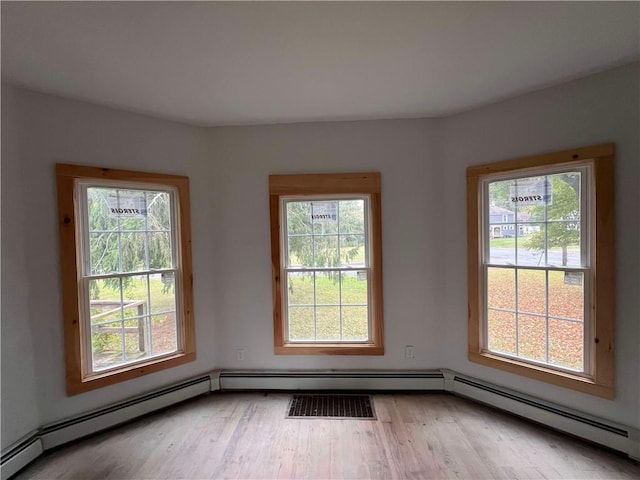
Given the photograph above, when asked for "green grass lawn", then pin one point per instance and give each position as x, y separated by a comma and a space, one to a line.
160, 298
327, 320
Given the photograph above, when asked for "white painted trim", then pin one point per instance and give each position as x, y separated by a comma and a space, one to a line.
331, 380
214, 377
21, 459
610, 434
603, 432
67, 430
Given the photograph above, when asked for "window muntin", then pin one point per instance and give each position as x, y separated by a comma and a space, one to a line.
126, 278
326, 269
337, 318
537, 275
129, 277
589, 264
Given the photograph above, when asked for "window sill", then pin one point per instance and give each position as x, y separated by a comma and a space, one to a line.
329, 349
127, 372
543, 374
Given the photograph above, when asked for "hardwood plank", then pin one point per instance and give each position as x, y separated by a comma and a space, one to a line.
246, 435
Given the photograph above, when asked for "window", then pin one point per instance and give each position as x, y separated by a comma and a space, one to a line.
126, 274
536, 306
327, 264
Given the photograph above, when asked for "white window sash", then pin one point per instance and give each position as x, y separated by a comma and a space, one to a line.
586, 212
81, 201
287, 268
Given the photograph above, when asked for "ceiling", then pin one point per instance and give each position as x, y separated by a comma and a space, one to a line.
232, 63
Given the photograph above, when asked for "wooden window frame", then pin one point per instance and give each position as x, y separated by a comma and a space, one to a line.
327, 184
70, 237
602, 260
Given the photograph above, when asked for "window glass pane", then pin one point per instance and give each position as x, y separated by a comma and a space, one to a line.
100, 217
162, 292
300, 288
565, 201
324, 216
132, 248
129, 207
352, 216
566, 344
107, 346
103, 253
163, 332
300, 251
502, 245
566, 294
160, 256
105, 308
135, 296
532, 291
327, 288
531, 244
299, 218
563, 240
328, 323
355, 325
354, 287
532, 337
136, 331
352, 250
301, 323
158, 211
502, 331
104, 300
501, 288
326, 251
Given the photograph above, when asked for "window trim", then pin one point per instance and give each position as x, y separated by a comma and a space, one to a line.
602, 264
301, 185
77, 379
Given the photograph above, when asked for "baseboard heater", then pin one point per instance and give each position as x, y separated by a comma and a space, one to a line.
604, 432
21, 453
618, 437
331, 380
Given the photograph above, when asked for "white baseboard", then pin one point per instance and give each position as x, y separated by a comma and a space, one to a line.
331, 380
604, 432
618, 437
20, 454
65, 431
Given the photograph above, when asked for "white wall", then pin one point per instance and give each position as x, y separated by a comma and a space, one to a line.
597, 109
19, 386
424, 240
406, 153
56, 130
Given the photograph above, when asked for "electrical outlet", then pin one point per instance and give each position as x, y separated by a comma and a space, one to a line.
409, 352
240, 354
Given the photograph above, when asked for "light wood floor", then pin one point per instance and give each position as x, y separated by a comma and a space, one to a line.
245, 435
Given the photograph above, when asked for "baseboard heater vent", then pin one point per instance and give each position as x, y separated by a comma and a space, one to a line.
541, 406
331, 380
64, 431
21, 453
591, 428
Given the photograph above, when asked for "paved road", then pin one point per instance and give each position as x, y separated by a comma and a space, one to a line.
529, 257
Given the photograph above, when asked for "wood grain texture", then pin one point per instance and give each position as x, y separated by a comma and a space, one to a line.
309, 185
77, 378
577, 155
602, 223
325, 184
245, 436
604, 271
